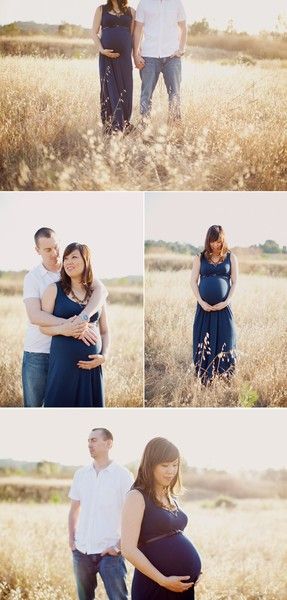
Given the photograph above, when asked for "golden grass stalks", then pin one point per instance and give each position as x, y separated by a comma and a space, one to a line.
243, 552
233, 135
260, 308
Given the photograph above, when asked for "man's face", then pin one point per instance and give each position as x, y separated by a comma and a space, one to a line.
48, 249
98, 446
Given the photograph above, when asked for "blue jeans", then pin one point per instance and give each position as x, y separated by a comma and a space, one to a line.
171, 71
34, 377
112, 570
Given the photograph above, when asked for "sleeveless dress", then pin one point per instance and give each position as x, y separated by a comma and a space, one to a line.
116, 73
171, 554
67, 385
214, 335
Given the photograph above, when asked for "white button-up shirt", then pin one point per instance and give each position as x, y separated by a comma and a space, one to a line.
161, 32
35, 284
101, 497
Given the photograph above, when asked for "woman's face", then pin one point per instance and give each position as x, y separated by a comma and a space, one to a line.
74, 264
216, 246
165, 472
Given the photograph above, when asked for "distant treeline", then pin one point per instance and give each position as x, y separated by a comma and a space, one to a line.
269, 247
49, 482
203, 42
122, 290
197, 28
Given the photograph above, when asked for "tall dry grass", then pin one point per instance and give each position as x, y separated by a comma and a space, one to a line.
172, 261
260, 309
243, 552
124, 369
230, 45
233, 135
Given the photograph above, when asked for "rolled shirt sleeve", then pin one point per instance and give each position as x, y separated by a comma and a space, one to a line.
31, 287
140, 13
181, 15
74, 493
126, 483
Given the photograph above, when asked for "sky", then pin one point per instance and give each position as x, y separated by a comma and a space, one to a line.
110, 223
247, 16
247, 218
230, 439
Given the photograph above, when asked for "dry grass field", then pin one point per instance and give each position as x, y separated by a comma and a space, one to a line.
124, 369
233, 135
243, 552
260, 308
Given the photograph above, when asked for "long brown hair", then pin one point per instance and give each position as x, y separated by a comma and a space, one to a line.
122, 4
215, 233
87, 275
157, 451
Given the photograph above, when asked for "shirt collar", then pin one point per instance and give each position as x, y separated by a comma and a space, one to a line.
43, 271
110, 467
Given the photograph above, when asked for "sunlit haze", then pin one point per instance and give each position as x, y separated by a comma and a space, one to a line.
231, 439
247, 218
111, 224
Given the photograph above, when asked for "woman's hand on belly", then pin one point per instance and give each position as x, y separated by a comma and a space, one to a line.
207, 307
220, 305
177, 584
95, 361
109, 53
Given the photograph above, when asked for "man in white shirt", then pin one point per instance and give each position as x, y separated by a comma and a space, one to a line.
97, 496
37, 345
162, 24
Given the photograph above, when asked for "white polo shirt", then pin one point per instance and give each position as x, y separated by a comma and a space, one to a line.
101, 499
35, 283
161, 32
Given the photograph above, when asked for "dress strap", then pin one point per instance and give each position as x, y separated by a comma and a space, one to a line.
164, 535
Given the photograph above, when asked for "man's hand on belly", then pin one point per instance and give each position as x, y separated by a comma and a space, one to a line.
90, 334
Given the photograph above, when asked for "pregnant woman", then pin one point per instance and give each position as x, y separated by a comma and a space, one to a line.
75, 372
213, 281
112, 32
167, 565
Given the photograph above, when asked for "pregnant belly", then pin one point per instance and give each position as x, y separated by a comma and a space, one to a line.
174, 555
117, 39
72, 349
214, 289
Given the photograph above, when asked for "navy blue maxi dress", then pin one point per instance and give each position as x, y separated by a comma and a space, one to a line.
116, 73
171, 554
214, 335
67, 385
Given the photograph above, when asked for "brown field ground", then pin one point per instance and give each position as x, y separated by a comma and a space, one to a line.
260, 309
233, 135
124, 369
243, 552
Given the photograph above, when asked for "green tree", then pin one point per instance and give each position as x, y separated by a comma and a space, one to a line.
270, 247
48, 469
10, 29
199, 27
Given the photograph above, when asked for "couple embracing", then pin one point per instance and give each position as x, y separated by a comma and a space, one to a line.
156, 32
65, 303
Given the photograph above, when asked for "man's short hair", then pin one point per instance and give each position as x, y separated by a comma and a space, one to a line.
43, 232
107, 435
